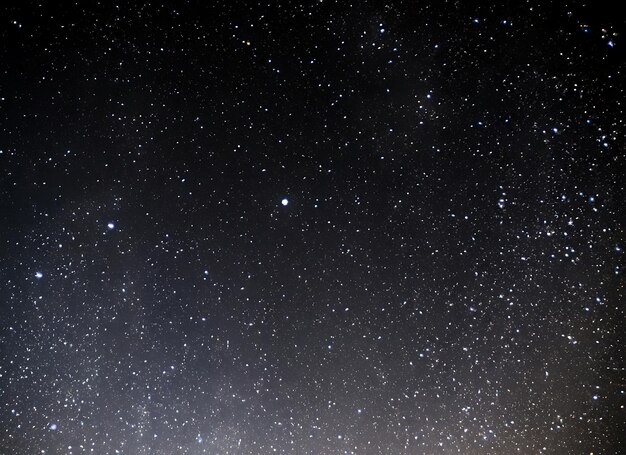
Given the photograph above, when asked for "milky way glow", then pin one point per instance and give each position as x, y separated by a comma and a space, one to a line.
315, 227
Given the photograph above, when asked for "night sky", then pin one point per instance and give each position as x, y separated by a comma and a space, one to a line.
312, 227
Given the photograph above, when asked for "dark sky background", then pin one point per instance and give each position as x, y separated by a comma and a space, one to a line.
312, 228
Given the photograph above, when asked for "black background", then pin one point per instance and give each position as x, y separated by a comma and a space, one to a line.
447, 276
